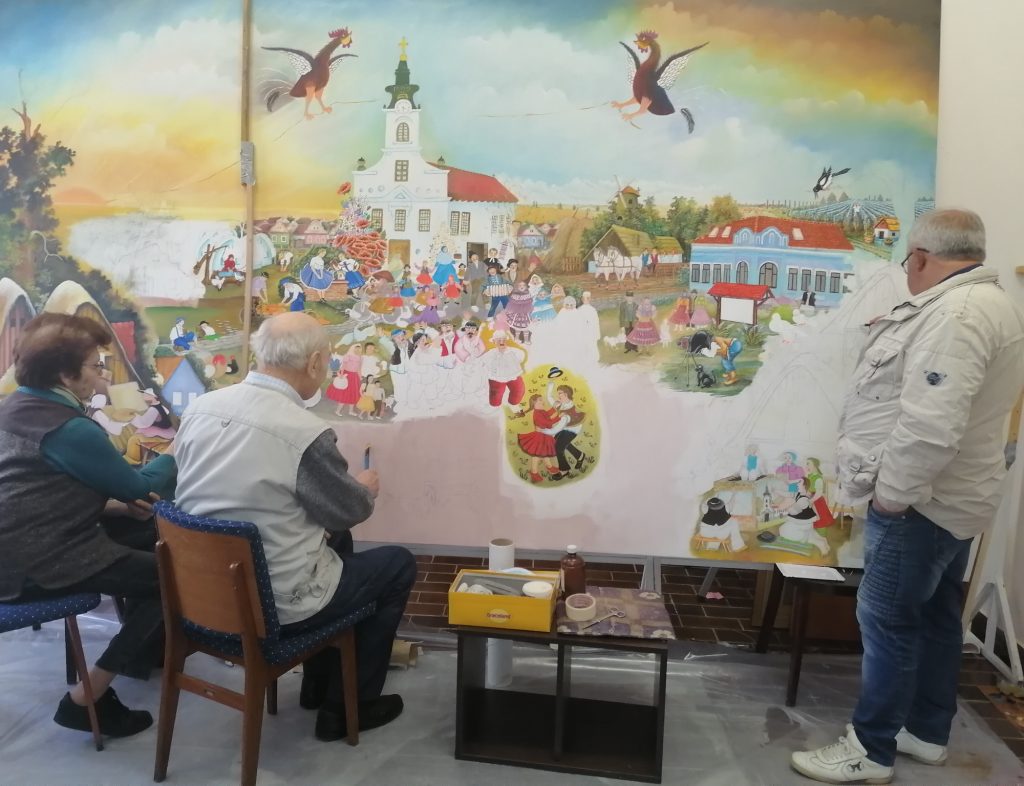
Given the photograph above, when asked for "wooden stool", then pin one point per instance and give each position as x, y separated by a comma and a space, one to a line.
802, 591
701, 541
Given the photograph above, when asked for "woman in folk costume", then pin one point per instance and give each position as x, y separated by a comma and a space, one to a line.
366, 404
644, 332
452, 289
800, 520
345, 388
519, 313
543, 311
423, 277
680, 317
444, 266
539, 443
406, 287
700, 317
718, 526
429, 314
557, 296
815, 483
353, 278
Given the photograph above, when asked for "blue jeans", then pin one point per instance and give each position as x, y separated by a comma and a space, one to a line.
908, 606
385, 574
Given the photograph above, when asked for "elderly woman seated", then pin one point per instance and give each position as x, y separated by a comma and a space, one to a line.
77, 517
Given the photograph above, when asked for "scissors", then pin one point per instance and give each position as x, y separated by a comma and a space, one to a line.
611, 613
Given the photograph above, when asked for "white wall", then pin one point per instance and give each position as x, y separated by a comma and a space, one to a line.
981, 166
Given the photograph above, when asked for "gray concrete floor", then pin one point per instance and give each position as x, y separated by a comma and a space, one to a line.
725, 723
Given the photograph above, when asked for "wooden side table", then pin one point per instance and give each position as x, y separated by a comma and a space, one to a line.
802, 591
558, 731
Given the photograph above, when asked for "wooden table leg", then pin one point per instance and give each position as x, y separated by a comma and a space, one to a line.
801, 605
771, 609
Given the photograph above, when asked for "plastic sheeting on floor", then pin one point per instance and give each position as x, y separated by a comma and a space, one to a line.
725, 723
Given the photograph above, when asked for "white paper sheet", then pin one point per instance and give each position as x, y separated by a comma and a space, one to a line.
809, 572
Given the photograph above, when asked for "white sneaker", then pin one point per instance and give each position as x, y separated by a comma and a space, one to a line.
845, 761
919, 750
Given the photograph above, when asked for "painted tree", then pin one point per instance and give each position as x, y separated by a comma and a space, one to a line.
28, 168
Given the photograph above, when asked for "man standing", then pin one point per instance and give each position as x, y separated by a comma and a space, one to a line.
290, 480
504, 368
922, 437
476, 273
627, 316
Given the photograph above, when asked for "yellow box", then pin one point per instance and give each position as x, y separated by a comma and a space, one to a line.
513, 612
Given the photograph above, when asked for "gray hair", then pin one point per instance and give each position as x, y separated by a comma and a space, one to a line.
950, 234
278, 344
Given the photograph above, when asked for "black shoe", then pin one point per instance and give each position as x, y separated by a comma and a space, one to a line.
581, 459
312, 692
115, 719
330, 721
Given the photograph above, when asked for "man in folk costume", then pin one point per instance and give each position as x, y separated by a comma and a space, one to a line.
567, 429
448, 340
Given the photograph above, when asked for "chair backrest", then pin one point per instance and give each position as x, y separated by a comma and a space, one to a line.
201, 559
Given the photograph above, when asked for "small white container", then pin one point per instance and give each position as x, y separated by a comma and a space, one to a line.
538, 589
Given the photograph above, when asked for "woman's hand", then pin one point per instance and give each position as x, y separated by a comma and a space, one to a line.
141, 509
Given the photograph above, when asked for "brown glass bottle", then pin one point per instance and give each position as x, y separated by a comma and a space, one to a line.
574, 572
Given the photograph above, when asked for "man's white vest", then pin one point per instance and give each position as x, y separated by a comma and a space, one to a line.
238, 452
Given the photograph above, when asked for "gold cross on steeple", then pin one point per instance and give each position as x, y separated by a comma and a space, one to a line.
402, 45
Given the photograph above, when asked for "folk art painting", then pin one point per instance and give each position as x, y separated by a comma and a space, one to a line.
592, 272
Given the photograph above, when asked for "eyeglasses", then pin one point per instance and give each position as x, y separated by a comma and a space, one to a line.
100, 366
906, 259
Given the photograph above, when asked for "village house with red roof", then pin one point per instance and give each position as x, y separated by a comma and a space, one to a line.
412, 199
802, 261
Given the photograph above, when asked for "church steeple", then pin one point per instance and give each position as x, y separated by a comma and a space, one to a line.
402, 88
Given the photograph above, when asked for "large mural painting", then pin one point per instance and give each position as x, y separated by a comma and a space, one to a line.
592, 272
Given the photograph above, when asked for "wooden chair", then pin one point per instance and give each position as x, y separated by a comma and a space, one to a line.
704, 542
217, 599
16, 615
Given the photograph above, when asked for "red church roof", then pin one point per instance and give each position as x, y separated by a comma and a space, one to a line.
802, 234
466, 186
756, 292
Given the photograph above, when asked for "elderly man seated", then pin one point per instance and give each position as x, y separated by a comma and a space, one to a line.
288, 477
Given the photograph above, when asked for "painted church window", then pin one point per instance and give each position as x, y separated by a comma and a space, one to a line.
424, 221
464, 228
377, 218
402, 132
401, 171
400, 220
453, 223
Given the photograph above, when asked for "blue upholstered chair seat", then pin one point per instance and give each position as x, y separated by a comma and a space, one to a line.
277, 650
17, 614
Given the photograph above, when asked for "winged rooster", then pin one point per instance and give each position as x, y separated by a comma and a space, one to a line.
651, 79
314, 72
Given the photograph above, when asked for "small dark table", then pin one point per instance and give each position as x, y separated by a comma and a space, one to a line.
802, 591
558, 732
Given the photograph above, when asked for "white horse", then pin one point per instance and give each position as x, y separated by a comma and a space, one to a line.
611, 261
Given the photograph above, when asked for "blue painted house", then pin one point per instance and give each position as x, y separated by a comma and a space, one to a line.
790, 257
181, 383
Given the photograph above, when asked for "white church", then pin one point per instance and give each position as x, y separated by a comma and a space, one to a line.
413, 200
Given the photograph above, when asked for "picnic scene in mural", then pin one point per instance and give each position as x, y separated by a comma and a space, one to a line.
573, 222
